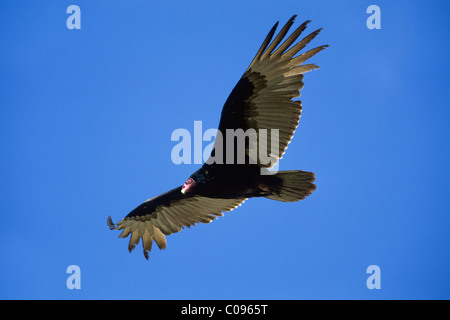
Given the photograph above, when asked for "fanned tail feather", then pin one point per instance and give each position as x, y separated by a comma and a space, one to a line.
295, 185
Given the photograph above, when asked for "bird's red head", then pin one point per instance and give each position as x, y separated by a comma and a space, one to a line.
188, 186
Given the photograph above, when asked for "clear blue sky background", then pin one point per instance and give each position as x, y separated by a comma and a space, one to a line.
87, 116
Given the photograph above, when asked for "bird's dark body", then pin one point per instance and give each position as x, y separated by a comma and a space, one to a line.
231, 181
218, 181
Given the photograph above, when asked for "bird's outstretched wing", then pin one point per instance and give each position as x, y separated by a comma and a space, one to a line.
167, 214
263, 97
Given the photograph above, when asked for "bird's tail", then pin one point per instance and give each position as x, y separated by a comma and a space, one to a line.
292, 185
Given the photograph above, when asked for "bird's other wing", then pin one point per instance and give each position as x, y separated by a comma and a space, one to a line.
263, 97
167, 214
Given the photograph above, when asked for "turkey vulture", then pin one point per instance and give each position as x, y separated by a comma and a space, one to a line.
262, 99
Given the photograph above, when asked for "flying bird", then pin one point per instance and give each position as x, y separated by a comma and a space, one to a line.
262, 99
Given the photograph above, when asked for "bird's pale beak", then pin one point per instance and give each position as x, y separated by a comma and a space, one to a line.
188, 185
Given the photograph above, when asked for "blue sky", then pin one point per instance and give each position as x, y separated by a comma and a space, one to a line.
87, 117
